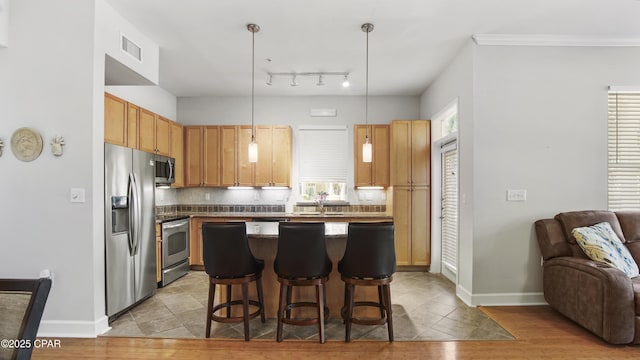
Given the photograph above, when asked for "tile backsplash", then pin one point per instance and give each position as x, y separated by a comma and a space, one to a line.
224, 208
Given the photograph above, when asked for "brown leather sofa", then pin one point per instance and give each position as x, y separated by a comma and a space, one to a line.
595, 295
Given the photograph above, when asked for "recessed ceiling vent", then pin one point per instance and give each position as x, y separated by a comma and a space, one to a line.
131, 48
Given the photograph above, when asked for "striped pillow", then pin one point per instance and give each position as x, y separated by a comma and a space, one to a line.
601, 243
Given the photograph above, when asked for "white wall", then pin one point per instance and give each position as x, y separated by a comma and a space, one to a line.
152, 98
4, 23
539, 123
110, 26
47, 83
456, 81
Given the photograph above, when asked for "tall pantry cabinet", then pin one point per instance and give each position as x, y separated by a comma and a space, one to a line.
411, 181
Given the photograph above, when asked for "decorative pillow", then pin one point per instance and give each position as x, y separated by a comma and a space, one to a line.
601, 243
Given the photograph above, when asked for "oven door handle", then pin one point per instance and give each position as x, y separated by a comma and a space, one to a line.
173, 226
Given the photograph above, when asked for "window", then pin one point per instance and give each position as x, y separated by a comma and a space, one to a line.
624, 151
322, 162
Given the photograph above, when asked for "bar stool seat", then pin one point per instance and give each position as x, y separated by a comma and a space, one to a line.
369, 260
229, 261
302, 260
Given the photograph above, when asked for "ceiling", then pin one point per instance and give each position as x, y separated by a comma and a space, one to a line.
205, 48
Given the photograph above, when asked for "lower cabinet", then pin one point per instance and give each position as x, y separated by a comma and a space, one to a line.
196, 261
412, 219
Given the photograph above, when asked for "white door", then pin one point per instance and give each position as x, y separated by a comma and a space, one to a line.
449, 211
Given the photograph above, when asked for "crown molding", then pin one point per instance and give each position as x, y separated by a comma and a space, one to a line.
552, 40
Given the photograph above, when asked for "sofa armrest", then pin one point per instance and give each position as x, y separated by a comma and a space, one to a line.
593, 294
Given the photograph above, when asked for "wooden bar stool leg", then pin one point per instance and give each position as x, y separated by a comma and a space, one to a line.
387, 305
228, 300
320, 302
281, 306
212, 292
245, 309
260, 299
381, 301
350, 289
289, 296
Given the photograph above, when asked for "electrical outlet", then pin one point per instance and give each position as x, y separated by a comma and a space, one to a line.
207, 196
517, 195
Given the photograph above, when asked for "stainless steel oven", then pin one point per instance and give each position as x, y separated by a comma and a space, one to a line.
175, 250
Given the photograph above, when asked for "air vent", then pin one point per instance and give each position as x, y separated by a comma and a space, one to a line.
131, 48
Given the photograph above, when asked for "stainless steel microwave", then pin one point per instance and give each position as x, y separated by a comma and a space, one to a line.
165, 170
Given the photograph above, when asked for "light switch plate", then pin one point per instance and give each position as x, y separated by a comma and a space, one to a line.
517, 195
77, 195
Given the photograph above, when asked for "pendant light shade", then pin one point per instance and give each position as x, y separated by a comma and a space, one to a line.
253, 147
367, 155
253, 151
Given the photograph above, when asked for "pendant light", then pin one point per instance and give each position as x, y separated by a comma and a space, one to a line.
366, 147
253, 147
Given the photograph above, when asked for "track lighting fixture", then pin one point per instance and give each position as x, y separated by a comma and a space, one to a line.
294, 76
345, 82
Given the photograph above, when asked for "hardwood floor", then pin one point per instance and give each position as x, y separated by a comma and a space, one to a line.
540, 333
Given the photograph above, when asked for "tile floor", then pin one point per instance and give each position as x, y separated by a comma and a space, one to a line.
424, 308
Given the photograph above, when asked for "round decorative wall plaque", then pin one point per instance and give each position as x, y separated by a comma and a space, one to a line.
26, 144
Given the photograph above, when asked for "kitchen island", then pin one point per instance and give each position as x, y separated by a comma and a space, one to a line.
262, 230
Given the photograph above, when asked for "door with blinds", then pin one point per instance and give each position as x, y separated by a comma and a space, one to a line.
449, 211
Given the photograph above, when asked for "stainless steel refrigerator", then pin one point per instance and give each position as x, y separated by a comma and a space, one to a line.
129, 227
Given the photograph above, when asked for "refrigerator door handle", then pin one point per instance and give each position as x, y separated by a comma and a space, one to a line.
138, 216
131, 231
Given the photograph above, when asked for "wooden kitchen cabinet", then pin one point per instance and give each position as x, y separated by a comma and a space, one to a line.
202, 149
410, 177
163, 136
196, 261
235, 168
147, 123
274, 156
410, 152
115, 120
155, 133
375, 173
177, 152
133, 130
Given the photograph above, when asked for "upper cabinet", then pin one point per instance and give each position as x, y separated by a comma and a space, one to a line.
115, 120
375, 173
177, 152
274, 156
155, 133
235, 168
410, 151
129, 125
202, 155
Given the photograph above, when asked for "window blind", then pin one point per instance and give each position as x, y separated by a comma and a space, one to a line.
323, 154
450, 210
623, 151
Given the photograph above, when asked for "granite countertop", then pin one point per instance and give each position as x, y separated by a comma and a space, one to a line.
260, 215
165, 218
269, 229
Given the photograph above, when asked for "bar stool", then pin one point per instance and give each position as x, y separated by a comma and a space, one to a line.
229, 261
302, 260
369, 260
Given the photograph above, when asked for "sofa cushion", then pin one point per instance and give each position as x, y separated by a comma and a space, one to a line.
602, 244
573, 219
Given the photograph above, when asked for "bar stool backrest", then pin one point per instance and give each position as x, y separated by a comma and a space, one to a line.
302, 251
226, 251
370, 251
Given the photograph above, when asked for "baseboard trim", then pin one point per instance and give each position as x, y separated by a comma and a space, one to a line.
77, 329
500, 299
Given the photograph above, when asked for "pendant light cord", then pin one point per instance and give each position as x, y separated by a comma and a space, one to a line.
366, 94
253, 70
